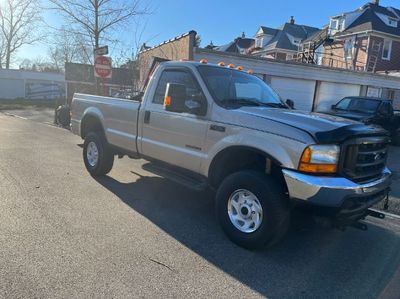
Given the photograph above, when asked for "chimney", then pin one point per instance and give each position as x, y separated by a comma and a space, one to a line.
243, 35
376, 2
292, 21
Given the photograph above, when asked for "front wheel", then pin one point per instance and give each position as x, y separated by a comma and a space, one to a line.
252, 209
97, 155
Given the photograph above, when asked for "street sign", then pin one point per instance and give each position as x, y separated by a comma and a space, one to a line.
103, 67
101, 51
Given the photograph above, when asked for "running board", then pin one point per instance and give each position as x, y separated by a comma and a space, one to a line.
176, 176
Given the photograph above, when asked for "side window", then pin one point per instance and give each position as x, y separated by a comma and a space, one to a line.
179, 77
344, 104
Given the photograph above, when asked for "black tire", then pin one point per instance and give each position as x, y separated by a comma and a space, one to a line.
275, 209
105, 159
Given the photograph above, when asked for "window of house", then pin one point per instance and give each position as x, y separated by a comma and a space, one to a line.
392, 22
334, 24
387, 49
343, 24
349, 45
289, 57
179, 77
259, 42
296, 41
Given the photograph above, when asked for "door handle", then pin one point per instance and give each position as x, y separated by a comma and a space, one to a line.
147, 117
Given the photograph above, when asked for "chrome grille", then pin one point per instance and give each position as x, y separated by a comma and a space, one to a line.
365, 158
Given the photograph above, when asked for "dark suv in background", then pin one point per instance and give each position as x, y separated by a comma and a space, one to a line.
369, 110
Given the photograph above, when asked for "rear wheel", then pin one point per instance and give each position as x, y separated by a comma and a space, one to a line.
97, 155
252, 209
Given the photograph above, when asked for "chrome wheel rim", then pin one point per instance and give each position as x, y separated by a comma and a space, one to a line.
92, 154
245, 211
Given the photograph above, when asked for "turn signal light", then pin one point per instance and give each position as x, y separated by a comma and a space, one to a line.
240, 68
204, 61
231, 65
221, 63
317, 168
250, 72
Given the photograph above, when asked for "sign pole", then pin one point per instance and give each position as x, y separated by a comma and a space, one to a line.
103, 82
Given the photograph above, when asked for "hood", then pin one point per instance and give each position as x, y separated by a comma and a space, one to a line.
350, 115
322, 127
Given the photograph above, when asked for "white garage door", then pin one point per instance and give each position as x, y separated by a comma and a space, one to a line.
300, 91
331, 93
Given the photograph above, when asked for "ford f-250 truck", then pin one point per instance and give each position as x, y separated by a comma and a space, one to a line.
206, 125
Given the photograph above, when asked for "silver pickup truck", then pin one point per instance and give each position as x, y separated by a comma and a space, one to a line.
206, 125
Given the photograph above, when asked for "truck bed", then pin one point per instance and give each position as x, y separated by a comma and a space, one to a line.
119, 118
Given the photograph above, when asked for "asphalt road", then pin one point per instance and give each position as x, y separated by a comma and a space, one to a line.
64, 234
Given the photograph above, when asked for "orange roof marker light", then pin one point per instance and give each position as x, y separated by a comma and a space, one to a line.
239, 68
231, 65
250, 72
204, 61
221, 63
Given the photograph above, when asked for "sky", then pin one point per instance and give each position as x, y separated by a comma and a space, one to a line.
219, 21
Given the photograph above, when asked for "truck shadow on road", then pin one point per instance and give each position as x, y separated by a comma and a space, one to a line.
309, 262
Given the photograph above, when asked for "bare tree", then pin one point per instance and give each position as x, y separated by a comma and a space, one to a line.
38, 64
18, 26
66, 48
96, 19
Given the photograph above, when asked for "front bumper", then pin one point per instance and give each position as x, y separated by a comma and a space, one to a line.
334, 191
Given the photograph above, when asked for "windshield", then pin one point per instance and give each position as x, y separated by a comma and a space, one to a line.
232, 88
358, 105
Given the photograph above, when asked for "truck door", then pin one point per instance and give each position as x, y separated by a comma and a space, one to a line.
175, 138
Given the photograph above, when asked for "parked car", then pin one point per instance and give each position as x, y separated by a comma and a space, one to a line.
204, 125
370, 111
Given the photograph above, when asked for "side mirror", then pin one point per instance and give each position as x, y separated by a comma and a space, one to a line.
175, 96
333, 107
290, 103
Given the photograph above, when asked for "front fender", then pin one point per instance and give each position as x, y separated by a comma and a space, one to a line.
284, 150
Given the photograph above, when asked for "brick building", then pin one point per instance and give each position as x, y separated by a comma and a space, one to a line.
366, 39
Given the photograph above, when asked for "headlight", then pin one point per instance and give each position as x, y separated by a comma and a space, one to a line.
320, 159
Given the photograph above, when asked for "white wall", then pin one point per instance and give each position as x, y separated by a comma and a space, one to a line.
300, 91
12, 88
13, 82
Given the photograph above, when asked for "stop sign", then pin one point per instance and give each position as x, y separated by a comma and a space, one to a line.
103, 67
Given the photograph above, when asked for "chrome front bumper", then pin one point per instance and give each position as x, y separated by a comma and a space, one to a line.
332, 191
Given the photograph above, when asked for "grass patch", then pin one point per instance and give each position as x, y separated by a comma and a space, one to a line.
23, 104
